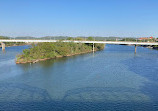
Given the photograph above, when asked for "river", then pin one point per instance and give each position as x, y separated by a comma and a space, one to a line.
114, 79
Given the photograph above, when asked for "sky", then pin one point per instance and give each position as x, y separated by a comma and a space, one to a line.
120, 18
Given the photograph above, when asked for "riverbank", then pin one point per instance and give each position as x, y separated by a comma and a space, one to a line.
147, 46
45, 51
12, 44
150, 47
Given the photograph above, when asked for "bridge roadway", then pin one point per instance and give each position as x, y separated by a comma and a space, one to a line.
76, 41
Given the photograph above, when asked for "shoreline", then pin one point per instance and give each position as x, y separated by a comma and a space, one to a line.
150, 47
15, 45
38, 60
146, 46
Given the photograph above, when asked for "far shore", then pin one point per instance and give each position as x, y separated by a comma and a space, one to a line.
16, 45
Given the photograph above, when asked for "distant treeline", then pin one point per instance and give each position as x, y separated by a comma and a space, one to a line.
81, 38
4, 37
68, 38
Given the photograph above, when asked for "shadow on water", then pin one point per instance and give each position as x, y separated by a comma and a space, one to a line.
22, 92
24, 97
144, 66
49, 63
105, 94
151, 90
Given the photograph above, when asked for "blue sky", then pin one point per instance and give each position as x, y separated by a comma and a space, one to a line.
79, 18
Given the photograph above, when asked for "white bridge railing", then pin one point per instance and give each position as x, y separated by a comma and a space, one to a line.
77, 41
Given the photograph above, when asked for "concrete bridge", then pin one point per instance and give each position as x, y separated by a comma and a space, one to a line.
76, 41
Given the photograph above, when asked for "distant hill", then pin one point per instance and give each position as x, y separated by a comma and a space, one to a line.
54, 37
111, 38
27, 37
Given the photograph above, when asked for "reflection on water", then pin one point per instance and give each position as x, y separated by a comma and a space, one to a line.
43, 64
10, 92
112, 79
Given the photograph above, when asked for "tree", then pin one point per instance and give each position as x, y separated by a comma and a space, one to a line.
90, 38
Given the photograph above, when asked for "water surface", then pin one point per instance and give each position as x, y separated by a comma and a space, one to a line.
114, 79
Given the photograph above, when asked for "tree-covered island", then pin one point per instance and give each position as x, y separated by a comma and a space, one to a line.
44, 51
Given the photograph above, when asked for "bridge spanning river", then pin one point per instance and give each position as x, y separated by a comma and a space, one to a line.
2, 41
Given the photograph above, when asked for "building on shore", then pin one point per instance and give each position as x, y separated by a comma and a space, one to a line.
146, 38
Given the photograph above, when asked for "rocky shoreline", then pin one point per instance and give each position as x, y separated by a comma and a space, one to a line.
147, 46
150, 47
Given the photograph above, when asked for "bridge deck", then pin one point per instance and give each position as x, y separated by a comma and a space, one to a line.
75, 41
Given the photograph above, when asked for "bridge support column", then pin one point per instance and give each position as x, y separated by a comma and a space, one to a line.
93, 47
135, 49
3, 46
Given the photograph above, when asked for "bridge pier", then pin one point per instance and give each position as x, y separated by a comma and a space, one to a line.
3, 46
93, 47
135, 49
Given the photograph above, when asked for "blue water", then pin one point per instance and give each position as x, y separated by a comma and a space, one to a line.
114, 79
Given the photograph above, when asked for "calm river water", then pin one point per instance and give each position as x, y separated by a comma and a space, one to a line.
114, 79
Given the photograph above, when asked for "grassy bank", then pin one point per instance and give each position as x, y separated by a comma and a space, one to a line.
44, 51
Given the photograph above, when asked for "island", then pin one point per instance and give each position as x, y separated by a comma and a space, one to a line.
44, 51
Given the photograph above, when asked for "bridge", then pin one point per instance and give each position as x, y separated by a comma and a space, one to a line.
2, 41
